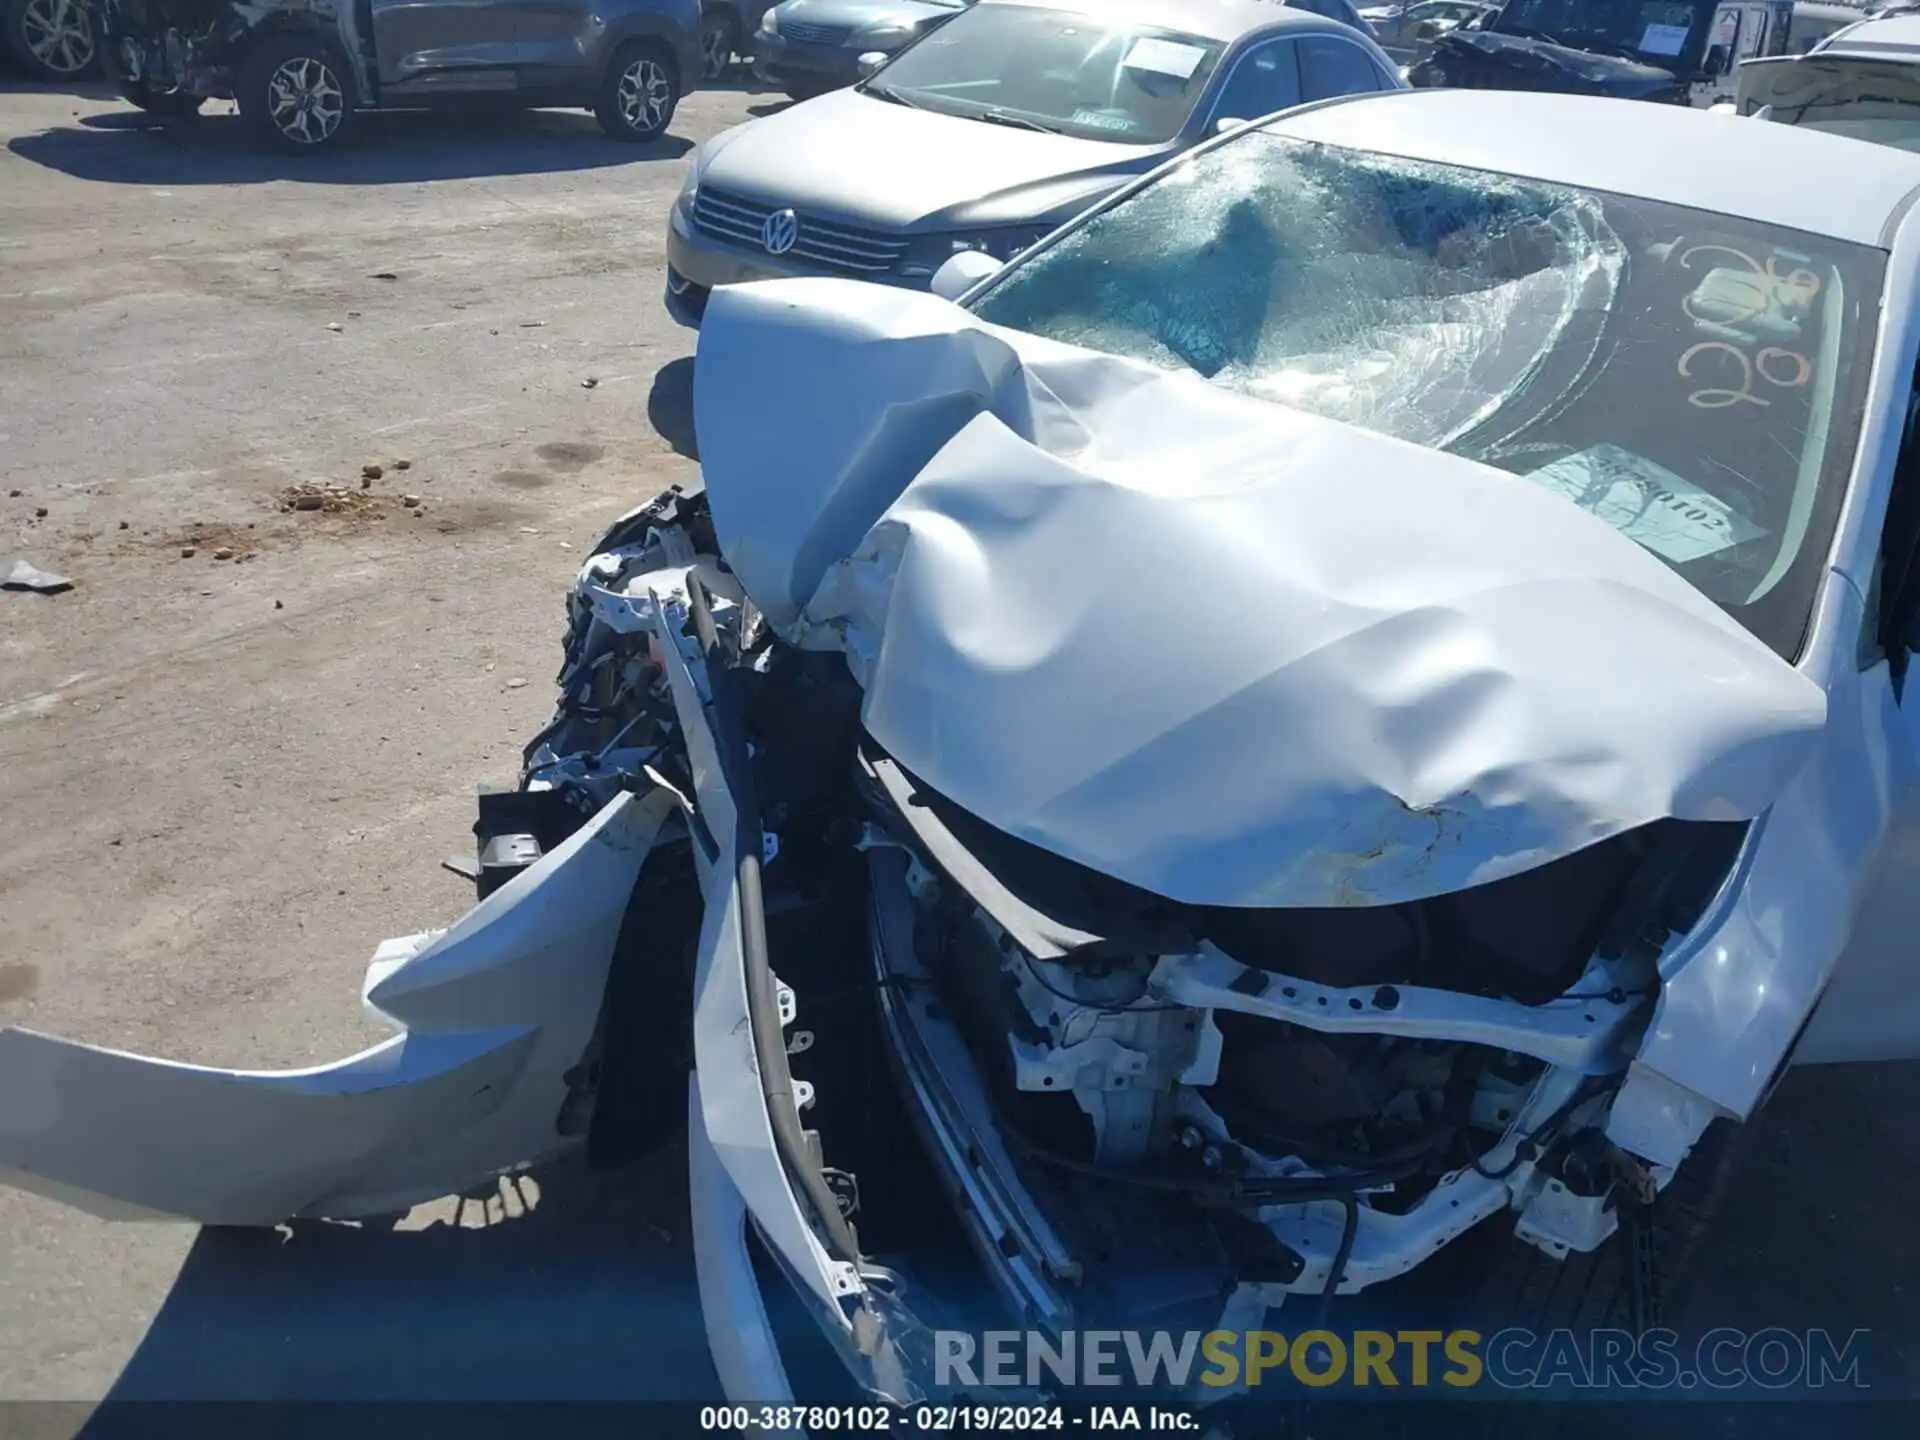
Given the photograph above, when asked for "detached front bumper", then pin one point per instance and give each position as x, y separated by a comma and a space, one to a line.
495, 1016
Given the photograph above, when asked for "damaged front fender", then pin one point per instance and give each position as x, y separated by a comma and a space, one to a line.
496, 1012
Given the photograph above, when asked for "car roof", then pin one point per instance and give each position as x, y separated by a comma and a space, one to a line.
1895, 38
1222, 20
1774, 174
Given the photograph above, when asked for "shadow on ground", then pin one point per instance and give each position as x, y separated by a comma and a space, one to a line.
405, 147
12, 82
670, 407
566, 1284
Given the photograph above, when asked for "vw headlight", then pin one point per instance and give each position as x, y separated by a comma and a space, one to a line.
690, 187
770, 22
1000, 244
1003, 243
881, 37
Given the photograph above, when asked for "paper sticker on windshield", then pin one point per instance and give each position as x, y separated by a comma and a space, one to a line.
1663, 40
1117, 120
1649, 504
1165, 57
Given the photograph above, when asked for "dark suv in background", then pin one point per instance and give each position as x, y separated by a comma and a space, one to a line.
300, 70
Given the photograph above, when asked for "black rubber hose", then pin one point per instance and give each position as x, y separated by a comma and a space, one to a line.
763, 1003
1349, 1232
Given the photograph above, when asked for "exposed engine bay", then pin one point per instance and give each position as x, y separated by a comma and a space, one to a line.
1303, 1100
192, 46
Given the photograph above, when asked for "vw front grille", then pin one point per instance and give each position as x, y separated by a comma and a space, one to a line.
808, 34
825, 243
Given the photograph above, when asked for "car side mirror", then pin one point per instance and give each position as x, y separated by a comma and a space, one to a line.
1226, 123
963, 270
1426, 30
871, 61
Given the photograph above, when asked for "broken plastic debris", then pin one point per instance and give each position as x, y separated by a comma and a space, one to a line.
24, 576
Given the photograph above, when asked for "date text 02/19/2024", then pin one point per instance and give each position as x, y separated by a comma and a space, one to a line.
936, 1419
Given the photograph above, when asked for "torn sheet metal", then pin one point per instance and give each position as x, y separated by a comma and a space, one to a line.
1225, 650
497, 1010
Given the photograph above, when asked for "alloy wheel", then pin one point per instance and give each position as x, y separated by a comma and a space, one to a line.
644, 95
59, 35
305, 100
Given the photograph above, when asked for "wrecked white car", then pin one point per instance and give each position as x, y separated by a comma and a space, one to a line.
1862, 82
1348, 704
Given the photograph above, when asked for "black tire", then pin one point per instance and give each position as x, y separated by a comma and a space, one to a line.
296, 94
638, 93
172, 104
1632, 1276
798, 92
719, 40
55, 40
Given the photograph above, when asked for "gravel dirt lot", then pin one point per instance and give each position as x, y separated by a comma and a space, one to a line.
226, 779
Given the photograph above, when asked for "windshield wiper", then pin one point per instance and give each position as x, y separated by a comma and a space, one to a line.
891, 96
1019, 122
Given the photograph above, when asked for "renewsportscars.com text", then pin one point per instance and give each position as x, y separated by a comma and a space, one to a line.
1774, 1358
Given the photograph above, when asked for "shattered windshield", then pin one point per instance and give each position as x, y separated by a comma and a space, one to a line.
1652, 32
1692, 379
1046, 69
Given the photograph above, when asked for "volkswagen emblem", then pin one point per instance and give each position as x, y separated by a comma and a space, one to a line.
779, 231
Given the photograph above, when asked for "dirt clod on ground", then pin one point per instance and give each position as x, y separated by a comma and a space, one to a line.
331, 500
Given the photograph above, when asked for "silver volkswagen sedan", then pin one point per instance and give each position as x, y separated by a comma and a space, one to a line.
989, 133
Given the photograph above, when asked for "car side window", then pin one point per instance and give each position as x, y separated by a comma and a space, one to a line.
1266, 79
1897, 577
1330, 67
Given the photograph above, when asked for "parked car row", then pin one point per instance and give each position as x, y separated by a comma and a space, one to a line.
301, 70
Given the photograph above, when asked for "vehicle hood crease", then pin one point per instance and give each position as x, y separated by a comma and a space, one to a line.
930, 166
1221, 649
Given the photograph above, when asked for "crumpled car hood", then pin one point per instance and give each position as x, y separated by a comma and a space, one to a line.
1224, 650
1547, 66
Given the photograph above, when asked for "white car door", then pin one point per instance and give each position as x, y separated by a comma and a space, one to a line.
1871, 1008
